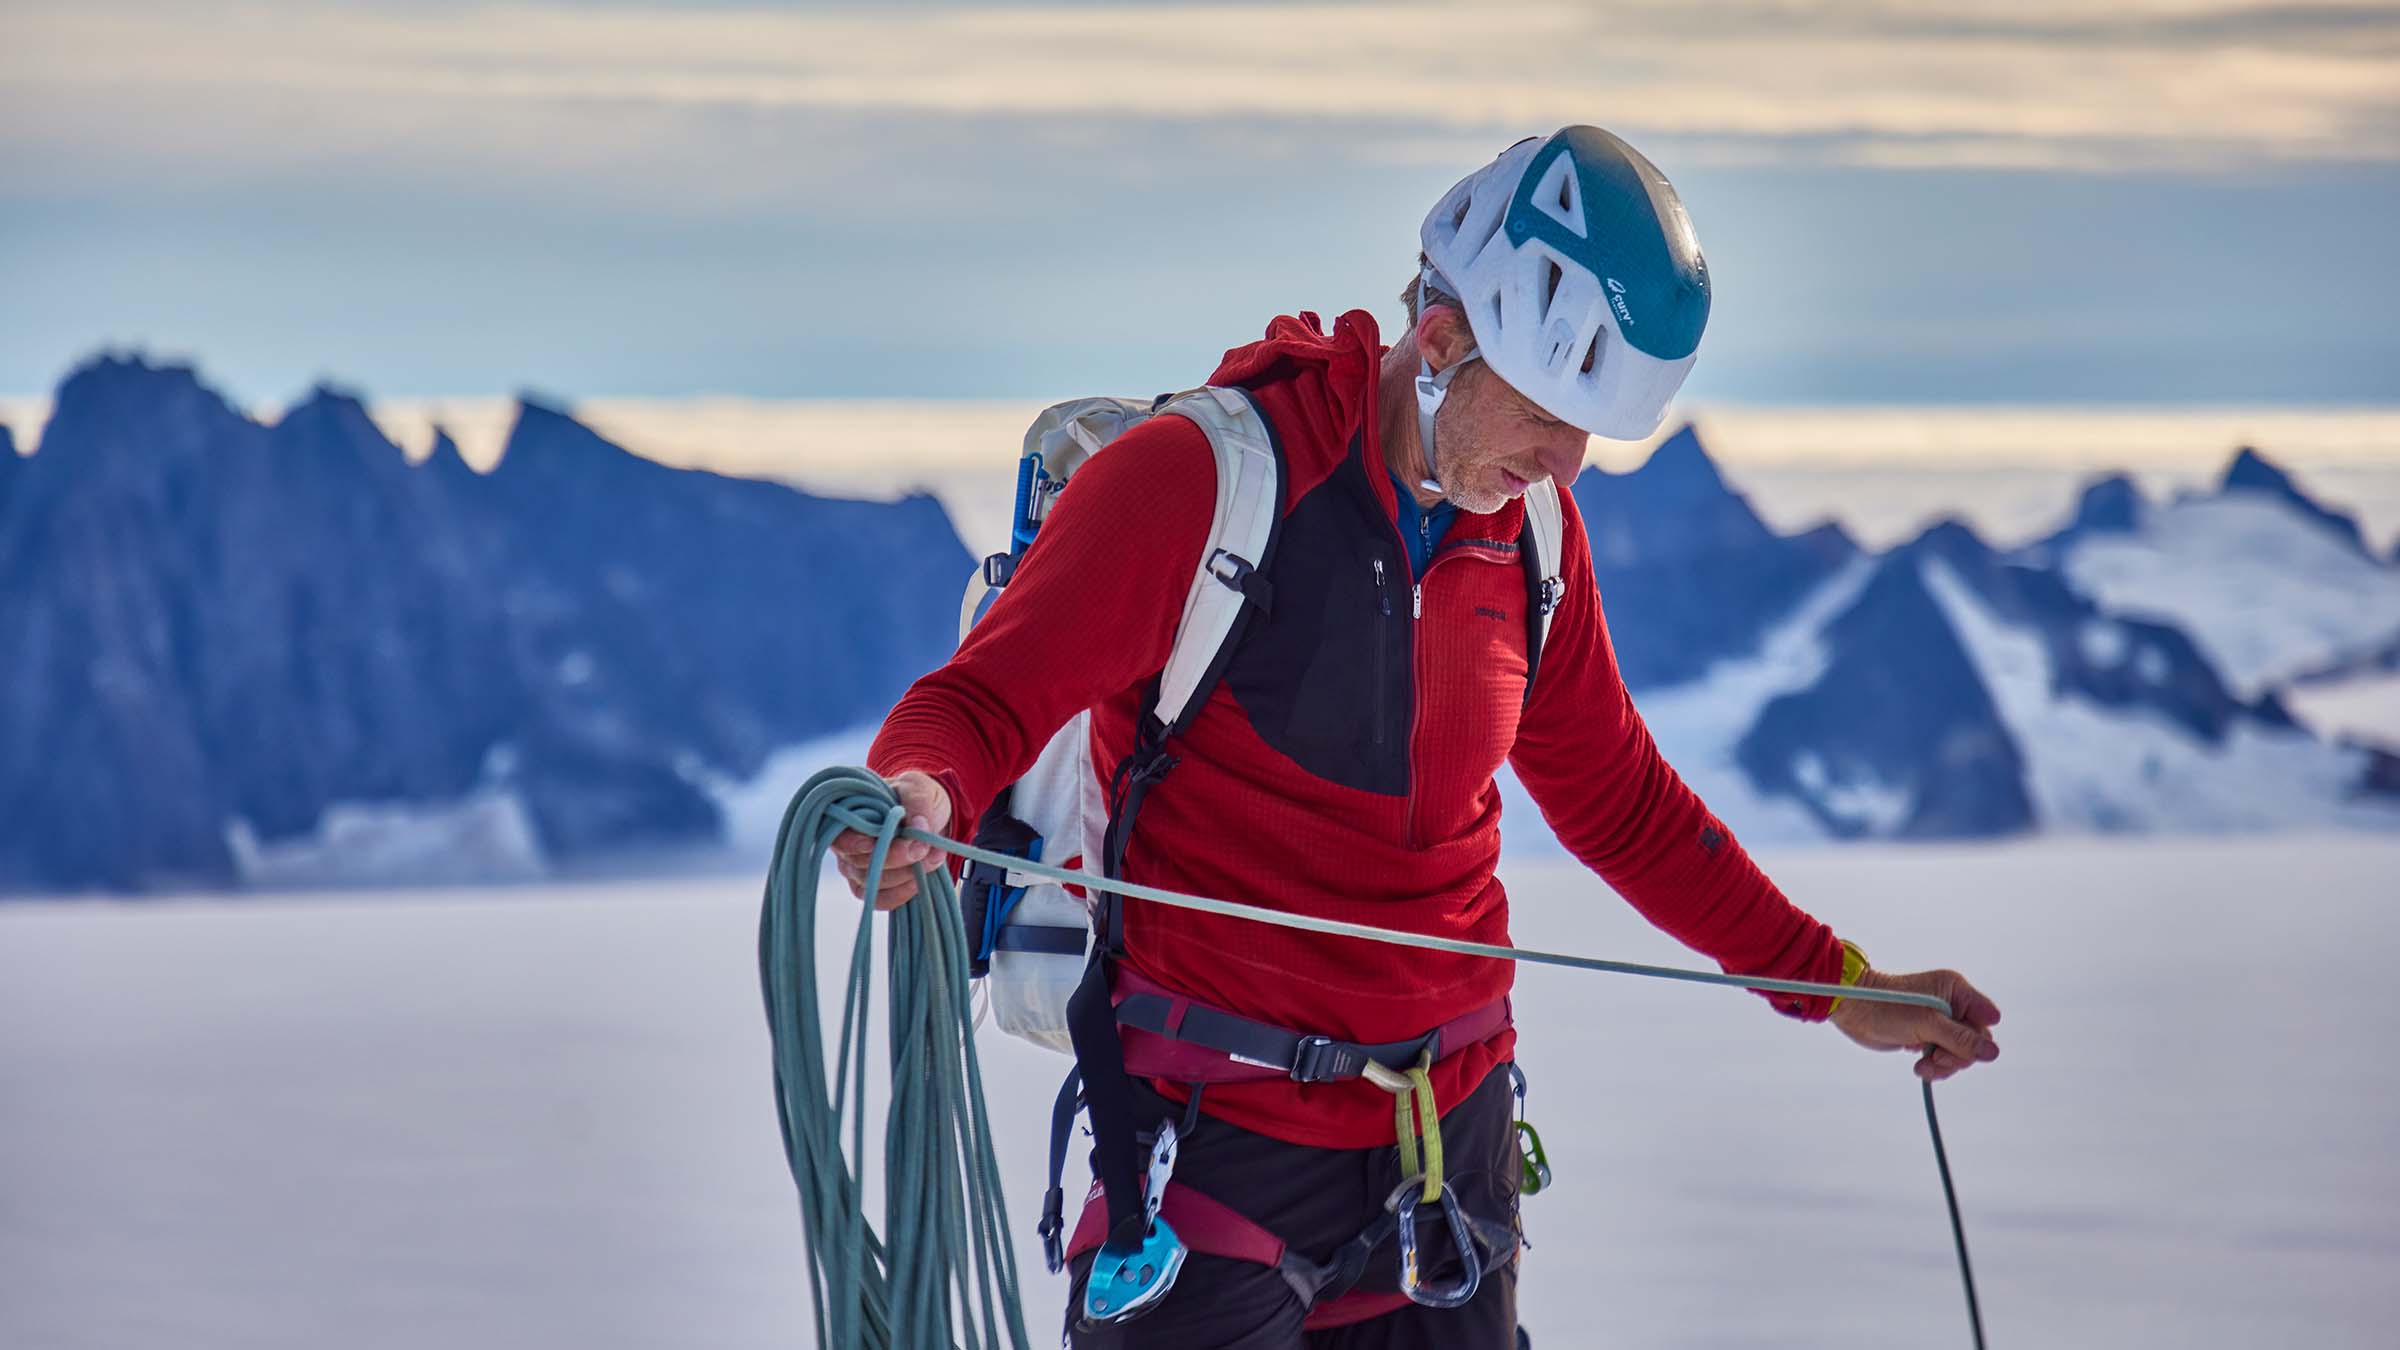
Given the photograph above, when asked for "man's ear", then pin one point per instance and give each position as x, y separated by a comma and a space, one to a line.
1443, 335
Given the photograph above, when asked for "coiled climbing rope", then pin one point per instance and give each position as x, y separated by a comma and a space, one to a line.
946, 1262
941, 1272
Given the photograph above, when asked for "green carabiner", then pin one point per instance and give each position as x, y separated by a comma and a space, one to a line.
1533, 1163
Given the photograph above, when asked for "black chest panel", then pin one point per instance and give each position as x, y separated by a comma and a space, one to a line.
1327, 677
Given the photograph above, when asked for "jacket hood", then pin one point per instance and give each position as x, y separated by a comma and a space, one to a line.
1330, 379
1333, 374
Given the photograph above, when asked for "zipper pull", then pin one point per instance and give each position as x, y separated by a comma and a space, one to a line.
1383, 594
1416, 603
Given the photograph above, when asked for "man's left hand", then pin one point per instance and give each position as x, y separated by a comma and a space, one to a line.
1949, 1044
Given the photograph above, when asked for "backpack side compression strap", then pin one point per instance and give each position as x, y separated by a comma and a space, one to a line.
1539, 544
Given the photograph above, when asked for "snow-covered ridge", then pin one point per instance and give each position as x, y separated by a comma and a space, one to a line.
1960, 691
2275, 586
291, 653
242, 651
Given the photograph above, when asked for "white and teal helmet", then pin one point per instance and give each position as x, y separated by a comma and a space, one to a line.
1580, 276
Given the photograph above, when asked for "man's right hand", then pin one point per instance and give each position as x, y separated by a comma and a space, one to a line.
928, 808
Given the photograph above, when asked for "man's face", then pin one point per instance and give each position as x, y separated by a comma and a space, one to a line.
1491, 442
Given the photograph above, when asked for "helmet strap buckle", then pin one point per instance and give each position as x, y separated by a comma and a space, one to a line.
1433, 387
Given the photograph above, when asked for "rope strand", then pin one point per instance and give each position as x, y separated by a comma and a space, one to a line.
1958, 1230
1401, 938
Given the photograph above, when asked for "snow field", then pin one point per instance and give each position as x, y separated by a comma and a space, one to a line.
541, 1115
2269, 594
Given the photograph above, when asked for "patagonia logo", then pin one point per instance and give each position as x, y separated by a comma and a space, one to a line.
1711, 841
1490, 613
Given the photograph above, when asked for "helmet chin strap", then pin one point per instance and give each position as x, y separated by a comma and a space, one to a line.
1432, 387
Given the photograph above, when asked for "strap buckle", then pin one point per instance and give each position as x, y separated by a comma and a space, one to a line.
1053, 1224
998, 568
1316, 1059
1554, 590
1226, 567
1241, 576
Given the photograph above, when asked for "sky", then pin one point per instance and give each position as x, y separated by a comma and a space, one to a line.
2159, 202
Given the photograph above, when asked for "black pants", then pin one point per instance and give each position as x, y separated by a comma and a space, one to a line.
1316, 1199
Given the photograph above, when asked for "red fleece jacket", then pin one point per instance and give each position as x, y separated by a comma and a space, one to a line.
1090, 616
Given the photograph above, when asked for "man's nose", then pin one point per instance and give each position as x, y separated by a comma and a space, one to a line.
1564, 460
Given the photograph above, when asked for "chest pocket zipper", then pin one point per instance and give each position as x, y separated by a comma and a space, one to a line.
1383, 648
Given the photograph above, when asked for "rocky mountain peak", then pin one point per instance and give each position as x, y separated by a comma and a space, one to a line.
2252, 472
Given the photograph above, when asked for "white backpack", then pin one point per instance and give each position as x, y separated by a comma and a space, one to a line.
1032, 937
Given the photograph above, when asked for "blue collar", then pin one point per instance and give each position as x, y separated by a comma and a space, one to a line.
1421, 527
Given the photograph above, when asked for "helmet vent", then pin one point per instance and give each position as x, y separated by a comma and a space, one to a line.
1552, 275
1559, 196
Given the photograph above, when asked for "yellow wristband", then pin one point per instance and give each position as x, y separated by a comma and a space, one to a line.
1854, 964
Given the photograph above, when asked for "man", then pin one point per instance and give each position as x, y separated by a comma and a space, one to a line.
1343, 765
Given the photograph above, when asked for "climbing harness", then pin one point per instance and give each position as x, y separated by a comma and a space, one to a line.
944, 1214
1174, 1037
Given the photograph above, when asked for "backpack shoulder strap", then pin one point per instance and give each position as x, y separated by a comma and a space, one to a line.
1540, 546
1228, 583
1230, 580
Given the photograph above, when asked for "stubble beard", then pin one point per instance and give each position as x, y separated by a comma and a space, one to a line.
1470, 484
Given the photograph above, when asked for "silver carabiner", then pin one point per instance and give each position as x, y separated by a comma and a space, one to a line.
1470, 1252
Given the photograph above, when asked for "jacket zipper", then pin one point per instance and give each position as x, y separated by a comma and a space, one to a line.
1416, 712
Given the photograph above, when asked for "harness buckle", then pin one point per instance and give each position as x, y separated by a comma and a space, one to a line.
1318, 1058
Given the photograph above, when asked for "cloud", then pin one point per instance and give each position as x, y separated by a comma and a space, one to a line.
577, 95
